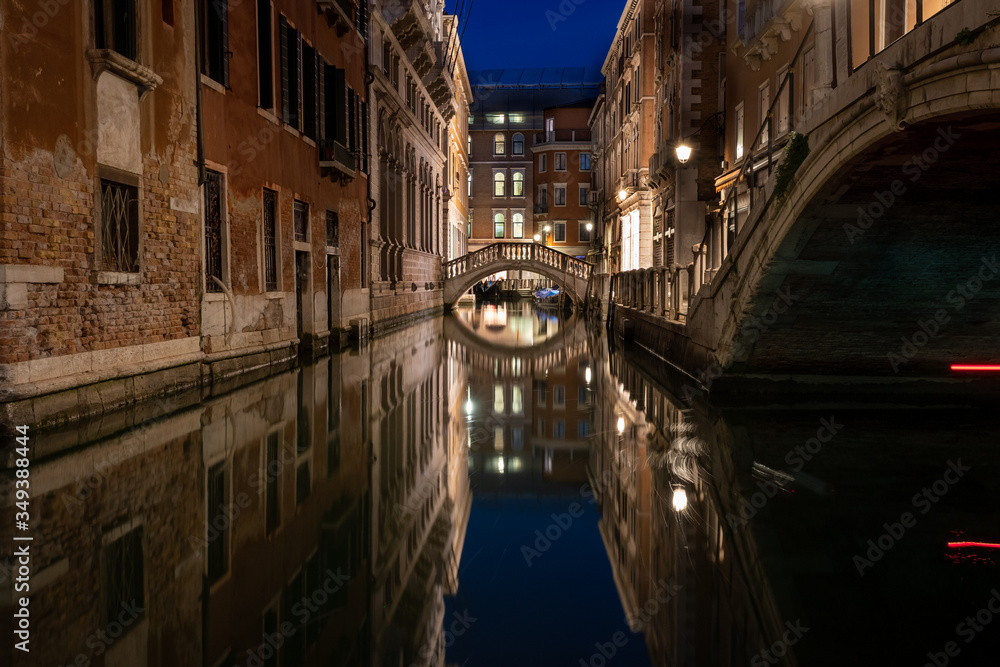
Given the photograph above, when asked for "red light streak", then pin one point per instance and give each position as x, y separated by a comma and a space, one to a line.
975, 367
983, 545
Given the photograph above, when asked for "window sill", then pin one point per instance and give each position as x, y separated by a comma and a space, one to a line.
213, 84
267, 115
118, 278
143, 77
332, 250
311, 142
292, 131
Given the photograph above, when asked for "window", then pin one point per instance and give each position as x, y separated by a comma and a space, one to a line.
265, 59
213, 39
115, 24
781, 122
498, 144
559, 232
272, 477
303, 483
124, 575
498, 225
518, 184
559, 429
559, 396
584, 161
583, 194
560, 199
739, 130
582, 429
516, 400
543, 198
218, 517
543, 163
499, 184
332, 228
167, 7
560, 162
584, 233
630, 241
290, 44
518, 144
518, 223
309, 84
763, 105
120, 221
301, 220
338, 121
214, 231
470, 144
583, 396
495, 118
270, 240
540, 428
498, 398
470, 183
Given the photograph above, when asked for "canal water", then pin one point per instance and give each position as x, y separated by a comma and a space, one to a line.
506, 486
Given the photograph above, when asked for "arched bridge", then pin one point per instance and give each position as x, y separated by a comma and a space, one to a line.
568, 272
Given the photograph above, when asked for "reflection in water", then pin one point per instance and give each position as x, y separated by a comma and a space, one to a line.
501, 488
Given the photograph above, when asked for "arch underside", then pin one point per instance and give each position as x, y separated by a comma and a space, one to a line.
891, 269
466, 281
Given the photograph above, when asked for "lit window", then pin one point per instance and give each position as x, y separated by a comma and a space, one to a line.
516, 118
498, 225
518, 222
498, 144
516, 399
499, 184
470, 144
498, 401
470, 183
495, 118
739, 131
518, 185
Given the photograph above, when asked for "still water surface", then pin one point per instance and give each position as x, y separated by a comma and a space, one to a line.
503, 487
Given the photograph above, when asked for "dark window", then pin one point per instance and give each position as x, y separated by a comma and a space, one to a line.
270, 240
213, 230
560, 232
352, 121
332, 228
335, 121
168, 11
301, 220
115, 26
214, 40
123, 574
518, 144
303, 483
120, 233
218, 522
272, 473
309, 83
584, 161
265, 60
290, 65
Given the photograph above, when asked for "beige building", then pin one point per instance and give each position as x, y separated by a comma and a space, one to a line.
457, 169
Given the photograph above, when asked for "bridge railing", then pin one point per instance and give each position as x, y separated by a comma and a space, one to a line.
510, 252
661, 291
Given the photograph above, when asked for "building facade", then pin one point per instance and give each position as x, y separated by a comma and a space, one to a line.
100, 205
457, 171
506, 129
414, 98
562, 164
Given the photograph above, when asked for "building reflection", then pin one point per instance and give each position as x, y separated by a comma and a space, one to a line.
693, 585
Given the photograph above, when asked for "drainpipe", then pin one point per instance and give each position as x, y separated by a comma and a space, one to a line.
199, 123
369, 78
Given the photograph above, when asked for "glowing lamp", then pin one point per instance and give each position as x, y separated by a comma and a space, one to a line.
680, 500
537, 237
622, 195
683, 153
621, 424
590, 226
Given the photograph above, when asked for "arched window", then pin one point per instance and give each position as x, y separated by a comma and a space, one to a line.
518, 184
499, 184
498, 225
470, 183
517, 221
518, 143
498, 144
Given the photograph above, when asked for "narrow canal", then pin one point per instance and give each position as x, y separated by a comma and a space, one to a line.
505, 486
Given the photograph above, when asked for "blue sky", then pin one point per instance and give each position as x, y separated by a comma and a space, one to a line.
536, 33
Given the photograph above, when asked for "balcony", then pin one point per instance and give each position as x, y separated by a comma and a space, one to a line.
439, 82
768, 24
562, 136
335, 157
340, 14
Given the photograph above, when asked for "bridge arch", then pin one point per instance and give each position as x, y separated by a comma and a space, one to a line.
882, 225
570, 273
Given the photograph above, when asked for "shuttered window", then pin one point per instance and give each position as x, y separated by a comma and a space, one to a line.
214, 40
265, 67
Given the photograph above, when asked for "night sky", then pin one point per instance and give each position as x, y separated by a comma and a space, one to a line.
536, 33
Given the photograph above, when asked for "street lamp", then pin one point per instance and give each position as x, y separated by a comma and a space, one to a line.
590, 226
622, 195
683, 149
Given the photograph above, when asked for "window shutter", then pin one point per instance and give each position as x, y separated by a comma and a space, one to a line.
222, 7
321, 99
329, 103
351, 121
283, 37
340, 105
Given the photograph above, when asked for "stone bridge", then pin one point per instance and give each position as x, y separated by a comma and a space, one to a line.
881, 266
568, 272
